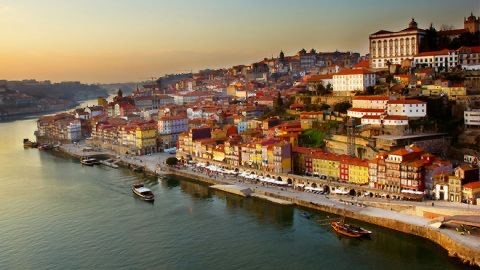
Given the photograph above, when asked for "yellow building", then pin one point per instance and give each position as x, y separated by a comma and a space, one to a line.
308, 118
219, 153
326, 164
146, 138
471, 192
358, 171
218, 134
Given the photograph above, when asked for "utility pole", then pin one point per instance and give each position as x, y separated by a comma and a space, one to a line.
351, 137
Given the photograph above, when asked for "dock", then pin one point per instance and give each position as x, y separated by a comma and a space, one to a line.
271, 199
234, 189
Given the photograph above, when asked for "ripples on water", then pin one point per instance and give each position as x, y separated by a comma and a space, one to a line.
57, 214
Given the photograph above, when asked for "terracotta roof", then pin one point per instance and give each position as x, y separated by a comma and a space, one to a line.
434, 53
366, 110
357, 71
371, 98
395, 117
472, 185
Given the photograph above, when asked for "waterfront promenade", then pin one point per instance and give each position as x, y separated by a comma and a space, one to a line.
466, 247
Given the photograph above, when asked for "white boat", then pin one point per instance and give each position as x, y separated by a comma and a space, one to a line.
144, 193
109, 163
89, 161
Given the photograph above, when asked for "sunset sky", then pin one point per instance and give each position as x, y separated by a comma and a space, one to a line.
133, 40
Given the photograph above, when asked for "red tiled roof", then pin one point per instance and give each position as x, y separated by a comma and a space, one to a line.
358, 71
472, 185
366, 110
371, 98
395, 117
434, 53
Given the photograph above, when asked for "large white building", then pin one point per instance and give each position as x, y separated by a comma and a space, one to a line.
472, 118
172, 124
385, 120
411, 108
442, 60
368, 105
350, 80
394, 47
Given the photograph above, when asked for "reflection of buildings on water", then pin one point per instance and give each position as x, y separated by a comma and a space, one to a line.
265, 211
195, 189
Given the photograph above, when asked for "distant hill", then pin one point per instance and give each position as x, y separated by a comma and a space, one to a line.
74, 91
127, 88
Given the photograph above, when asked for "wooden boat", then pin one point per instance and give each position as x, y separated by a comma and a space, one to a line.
340, 228
29, 144
143, 193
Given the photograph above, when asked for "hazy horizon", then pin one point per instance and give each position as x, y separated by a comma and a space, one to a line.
114, 41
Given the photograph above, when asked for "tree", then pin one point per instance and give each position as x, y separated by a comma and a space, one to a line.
321, 90
312, 138
282, 56
342, 107
278, 105
329, 88
370, 90
120, 93
171, 161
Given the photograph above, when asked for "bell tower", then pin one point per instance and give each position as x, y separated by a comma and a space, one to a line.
472, 24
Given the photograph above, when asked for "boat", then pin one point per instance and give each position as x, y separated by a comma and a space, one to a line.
89, 161
45, 146
306, 215
357, 229
109, 163
144, 193
340, 228
29, 144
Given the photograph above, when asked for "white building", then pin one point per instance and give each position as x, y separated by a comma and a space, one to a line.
74, 131
394, 47
411, 108
368, 105
439, 60
472, 118
385, 120
172, 124
350, 80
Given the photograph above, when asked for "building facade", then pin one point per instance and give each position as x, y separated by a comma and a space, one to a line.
388, 47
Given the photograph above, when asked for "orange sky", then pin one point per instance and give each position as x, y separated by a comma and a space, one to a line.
127, 40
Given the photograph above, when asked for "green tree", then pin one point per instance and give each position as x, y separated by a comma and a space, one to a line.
312, 138
342, 107
171, 161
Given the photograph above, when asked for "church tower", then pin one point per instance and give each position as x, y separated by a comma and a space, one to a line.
472, 24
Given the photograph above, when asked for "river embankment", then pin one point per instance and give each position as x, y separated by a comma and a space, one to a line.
464, 247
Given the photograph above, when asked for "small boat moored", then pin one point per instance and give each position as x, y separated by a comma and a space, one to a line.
144, 193
339, 227
29, 144
89, 161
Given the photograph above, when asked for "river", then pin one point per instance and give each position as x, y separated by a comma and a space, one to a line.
56, 214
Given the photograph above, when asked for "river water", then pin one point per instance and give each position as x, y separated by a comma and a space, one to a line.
56, 214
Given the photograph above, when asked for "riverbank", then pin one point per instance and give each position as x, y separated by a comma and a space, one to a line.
464, 247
